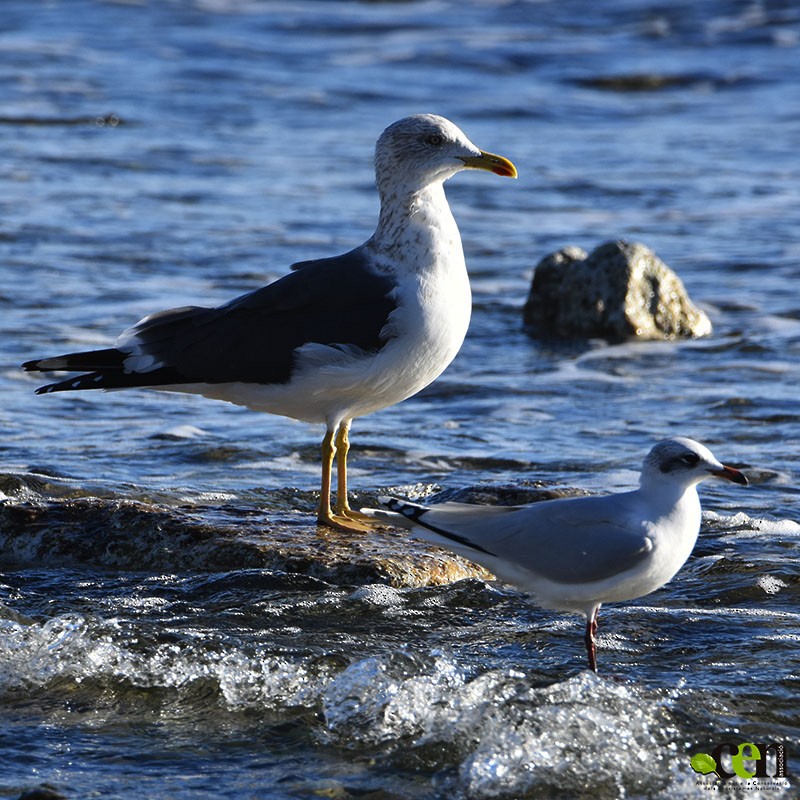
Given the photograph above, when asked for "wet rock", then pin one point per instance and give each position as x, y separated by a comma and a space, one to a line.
620, 291
649, 81
128, 535
518, 494
43, 792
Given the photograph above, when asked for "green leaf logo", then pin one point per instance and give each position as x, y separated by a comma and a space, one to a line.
703, 763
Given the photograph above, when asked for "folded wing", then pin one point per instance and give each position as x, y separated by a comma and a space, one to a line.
575, 540
339, 302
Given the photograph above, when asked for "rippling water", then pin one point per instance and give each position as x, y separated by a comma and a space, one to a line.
163, 154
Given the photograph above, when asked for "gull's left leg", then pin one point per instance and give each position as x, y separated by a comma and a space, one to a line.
342, 505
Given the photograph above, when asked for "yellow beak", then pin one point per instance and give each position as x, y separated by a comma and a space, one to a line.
492, 163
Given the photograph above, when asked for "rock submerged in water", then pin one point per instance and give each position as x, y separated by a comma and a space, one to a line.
127, 535
621, 291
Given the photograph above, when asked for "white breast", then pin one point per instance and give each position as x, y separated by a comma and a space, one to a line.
671, 536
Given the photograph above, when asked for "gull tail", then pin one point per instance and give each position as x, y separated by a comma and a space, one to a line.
402, 513
104, 369
406, 514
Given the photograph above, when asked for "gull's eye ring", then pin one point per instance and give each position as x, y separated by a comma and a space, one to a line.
435, 139
691, 459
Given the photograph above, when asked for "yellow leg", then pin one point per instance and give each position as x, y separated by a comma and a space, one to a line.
328, 454
342, 449
341, 518
342, 502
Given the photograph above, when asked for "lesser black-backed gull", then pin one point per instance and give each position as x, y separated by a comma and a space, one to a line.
574, 554
336, 338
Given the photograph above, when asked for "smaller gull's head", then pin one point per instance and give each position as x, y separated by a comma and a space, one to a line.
684, 462
424, 148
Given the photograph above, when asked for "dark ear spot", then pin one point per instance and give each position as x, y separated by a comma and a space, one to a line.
685, 461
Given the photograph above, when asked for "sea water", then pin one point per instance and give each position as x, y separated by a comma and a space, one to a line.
168, 154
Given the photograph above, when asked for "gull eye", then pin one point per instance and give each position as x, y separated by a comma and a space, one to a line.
435, 139
691, 459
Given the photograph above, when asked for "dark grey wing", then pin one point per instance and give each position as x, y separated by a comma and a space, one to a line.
338, 301
576, 540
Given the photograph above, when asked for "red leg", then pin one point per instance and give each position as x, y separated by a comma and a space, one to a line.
591, 648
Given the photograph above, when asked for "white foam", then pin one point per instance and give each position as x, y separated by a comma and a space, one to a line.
378, 595
69, 647
514, 739
770, 584
374, 701
743, 523
508, 736
185, 432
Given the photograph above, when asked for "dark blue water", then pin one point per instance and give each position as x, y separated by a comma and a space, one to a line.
164, 154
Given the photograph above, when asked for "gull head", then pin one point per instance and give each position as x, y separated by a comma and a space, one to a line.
422, 149
684, 463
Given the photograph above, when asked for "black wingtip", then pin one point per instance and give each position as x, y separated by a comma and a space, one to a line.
405, 508
33, 366
92, 380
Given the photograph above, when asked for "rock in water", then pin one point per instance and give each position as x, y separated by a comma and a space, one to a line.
622, 290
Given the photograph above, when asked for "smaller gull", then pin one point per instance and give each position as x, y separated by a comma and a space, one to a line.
575, 554
336, 338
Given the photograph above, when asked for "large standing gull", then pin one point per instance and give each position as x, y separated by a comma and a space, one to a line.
577, 553
337, 337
